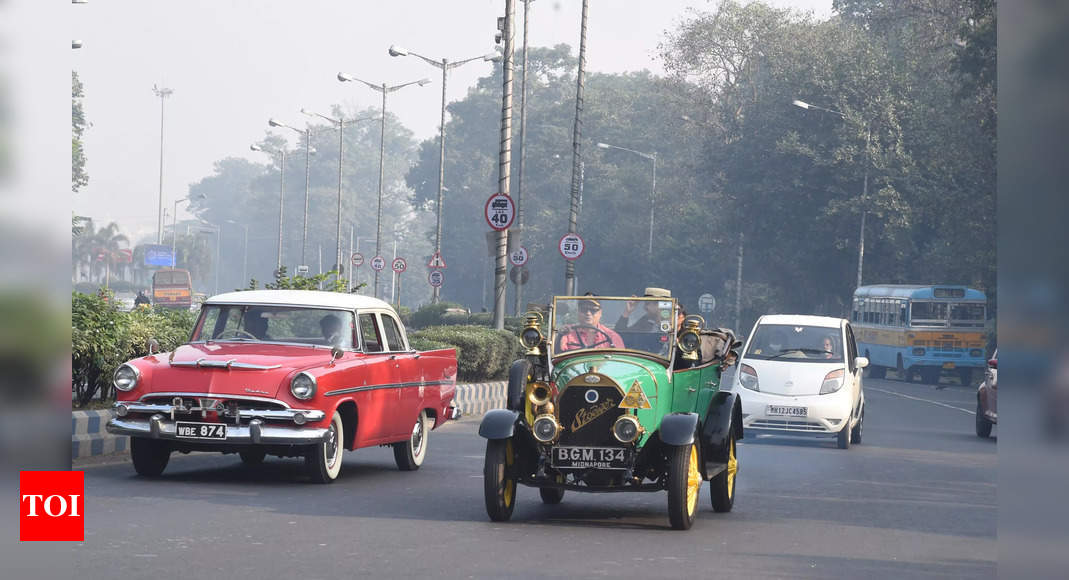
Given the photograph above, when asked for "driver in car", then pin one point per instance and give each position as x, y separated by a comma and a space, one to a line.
590, 332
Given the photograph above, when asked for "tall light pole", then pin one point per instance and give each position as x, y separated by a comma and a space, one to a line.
308, 151
865, 187
523, 155
340, 123
653, 191
445, 67
385, 90
281, 194
577, 134
162, 93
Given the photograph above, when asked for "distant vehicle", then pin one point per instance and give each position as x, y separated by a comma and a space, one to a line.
987, 399
172, 288
292, 373
802, 376
921, 330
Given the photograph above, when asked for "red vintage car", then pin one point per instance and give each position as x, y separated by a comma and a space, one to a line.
293, 373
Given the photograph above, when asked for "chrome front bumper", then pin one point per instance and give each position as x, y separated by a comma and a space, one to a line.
256, 432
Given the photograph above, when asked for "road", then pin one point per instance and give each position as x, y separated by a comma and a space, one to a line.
917, 499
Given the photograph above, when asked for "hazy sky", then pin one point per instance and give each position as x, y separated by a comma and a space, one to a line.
232, 64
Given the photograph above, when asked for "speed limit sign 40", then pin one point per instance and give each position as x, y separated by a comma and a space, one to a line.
378, 263
571, 246
500, 211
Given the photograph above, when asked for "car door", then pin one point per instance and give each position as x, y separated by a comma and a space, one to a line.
406, 377
852, 369
376, 400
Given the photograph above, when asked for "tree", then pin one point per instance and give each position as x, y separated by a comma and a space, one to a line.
79, 177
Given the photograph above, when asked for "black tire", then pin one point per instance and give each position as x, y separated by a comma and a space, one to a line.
409, 454
965, 376
855, 433
911, 374
551, 495
252, 456
150, 456
499, 479
323, 460
930, 375
722, 486
900, 370
684, 485
983, 426
843, 439
877, 372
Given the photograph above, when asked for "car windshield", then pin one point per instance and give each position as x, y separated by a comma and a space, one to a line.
796, 343
279, 324
596, 322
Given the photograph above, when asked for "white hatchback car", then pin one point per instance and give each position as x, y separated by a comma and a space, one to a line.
802, 376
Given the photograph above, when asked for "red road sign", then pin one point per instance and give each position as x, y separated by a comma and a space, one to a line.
499, 211
436, 261
399, 265
358, 259
518, 257
436, 278
378, 263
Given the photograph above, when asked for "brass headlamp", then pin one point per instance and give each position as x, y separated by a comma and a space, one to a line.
689, 338
531, 337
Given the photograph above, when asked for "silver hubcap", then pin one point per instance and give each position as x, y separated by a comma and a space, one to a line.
330, 450
417, 437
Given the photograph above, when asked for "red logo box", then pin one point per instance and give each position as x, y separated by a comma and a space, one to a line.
51, 506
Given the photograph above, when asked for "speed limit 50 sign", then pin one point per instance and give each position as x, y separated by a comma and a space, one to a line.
571, 246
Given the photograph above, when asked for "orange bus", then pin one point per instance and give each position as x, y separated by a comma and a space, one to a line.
172, 288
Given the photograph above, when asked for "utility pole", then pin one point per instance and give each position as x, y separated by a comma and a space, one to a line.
523, 156
162, 93
738, 288
577, 133
504, 165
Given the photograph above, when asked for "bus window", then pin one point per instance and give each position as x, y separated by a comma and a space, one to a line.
967, 315
929, 314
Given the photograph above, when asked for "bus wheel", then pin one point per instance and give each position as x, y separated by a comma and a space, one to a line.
877, 372
898, 368
930, 375
965, 376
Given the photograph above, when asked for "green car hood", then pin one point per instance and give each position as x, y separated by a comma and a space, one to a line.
624, 370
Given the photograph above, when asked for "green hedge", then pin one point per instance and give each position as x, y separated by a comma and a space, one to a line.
103, 337
435, 315
483, 354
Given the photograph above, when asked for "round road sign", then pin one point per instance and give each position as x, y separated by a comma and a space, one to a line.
500, 211
518, 257
571, 246
358, 259
378, 263
399, 265
436, 277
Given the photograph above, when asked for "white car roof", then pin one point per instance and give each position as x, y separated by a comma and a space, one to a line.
802, 320
311, 298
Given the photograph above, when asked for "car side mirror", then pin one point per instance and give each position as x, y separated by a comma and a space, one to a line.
993, 363
335, 353
152, 346
861, 362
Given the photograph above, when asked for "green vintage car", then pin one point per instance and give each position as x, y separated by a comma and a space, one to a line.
611, 396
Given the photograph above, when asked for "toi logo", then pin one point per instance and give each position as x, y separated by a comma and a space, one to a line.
51, 506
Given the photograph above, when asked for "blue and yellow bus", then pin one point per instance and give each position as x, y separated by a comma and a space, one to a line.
921, 330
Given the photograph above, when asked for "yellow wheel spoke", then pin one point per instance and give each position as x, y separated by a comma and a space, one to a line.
733, 468
694, 480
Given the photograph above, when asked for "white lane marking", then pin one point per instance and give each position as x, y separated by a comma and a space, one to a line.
922, 400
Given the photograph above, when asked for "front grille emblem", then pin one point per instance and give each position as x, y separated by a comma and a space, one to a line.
592, 379
592, 396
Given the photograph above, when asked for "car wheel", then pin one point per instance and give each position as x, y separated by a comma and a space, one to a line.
983, 426
323, 460
877, 372
722, 486
252, 456
844, 436
409, 454
150, 456
551, 495
499, 479
855, 433
684, 483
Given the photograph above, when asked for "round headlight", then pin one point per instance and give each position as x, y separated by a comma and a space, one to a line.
545, 428
126, 377
303, 386
626, 429
531, 337
689, 341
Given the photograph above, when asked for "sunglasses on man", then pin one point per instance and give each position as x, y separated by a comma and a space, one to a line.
585, 309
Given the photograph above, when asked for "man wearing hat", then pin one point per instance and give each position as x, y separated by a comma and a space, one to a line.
590, 333
651, 320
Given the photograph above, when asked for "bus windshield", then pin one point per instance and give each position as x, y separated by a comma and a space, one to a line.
967, 314
928, 313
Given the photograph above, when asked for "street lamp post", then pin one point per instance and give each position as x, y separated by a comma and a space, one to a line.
445, 67
653, 191
281, 194
340, 122
308, 151
162, 93
865, 186
385, 90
